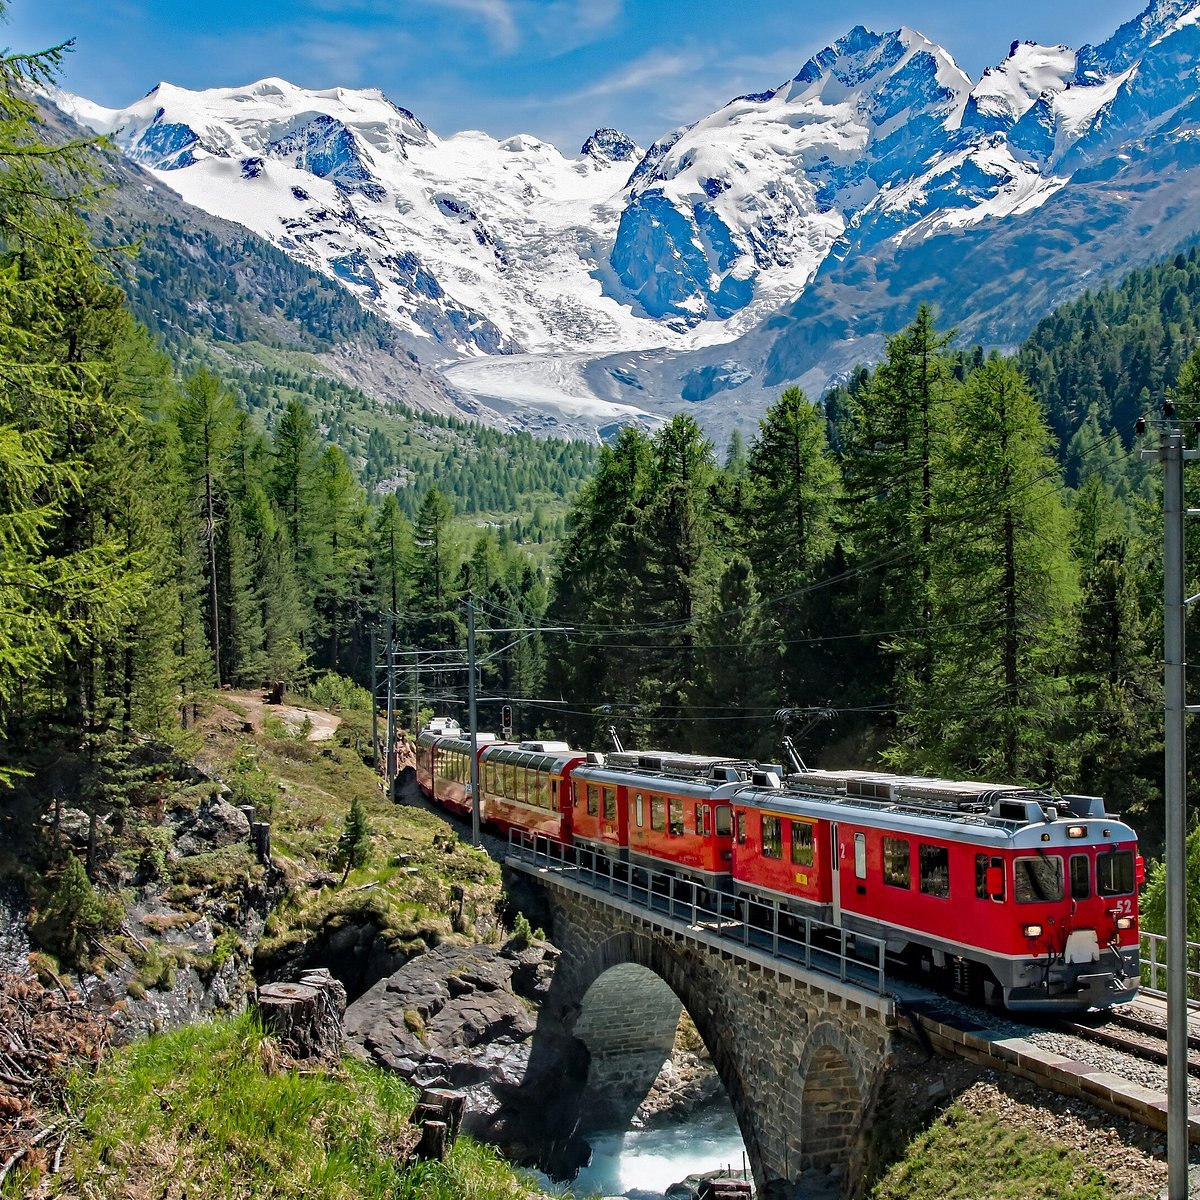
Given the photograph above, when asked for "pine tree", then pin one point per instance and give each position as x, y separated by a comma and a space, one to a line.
1114, 710
342, 535
732, 696
897, 431
354, 843
392, 536
292, 487
601, 544
675, 541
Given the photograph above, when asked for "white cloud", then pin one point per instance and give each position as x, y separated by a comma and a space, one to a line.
654, 68
497, 16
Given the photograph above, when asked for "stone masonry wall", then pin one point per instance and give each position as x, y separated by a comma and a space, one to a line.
801, 1066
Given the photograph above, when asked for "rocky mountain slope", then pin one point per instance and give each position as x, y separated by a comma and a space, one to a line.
775, 240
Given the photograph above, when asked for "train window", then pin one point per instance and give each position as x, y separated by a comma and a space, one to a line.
610, 803
1115, 874
699, 817
724, 820
658, 813
580, 794
641, 816
989, 877
1081, 877
1038, 879
802, 844
542, 783
897, 862
935, 870
772, 835
489, 777
676, 825
860, 855
593, 799
741, 828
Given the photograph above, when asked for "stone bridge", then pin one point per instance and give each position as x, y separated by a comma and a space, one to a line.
801, 1055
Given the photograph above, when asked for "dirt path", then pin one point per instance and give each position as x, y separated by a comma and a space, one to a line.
256, 709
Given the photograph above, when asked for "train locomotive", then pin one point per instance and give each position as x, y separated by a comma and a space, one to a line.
1014, 895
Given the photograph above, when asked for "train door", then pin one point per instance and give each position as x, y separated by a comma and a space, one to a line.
835, 872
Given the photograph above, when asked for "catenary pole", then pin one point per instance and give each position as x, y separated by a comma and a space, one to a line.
390, 758
1174, 652
474, 722
374, 701
1172, 455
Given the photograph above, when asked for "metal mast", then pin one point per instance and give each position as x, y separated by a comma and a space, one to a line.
1172, 455
476, 839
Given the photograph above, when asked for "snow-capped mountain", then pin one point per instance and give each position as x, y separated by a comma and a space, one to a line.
777, 239
482, 246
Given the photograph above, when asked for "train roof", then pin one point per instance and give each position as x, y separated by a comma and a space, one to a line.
915, 803
542, 756
654, 767
463, 744
1019, 817
442, 727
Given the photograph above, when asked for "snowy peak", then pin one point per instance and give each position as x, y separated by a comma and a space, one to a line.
884, 73
1007, 92
172, 127
747, 202
1130, 42
878, 147
609, 146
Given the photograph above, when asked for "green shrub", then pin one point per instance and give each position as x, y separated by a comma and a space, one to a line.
75, 915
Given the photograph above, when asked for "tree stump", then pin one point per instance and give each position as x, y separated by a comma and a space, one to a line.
305, 1017
435, 1141
439, 1113
724, 1189
438, 1104
260, 831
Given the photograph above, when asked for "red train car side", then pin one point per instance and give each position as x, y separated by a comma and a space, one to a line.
990, 885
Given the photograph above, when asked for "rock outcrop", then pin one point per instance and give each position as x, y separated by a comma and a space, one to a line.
464, 1017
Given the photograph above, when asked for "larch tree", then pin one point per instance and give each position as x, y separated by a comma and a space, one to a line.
981, 689
790, 505
205, 415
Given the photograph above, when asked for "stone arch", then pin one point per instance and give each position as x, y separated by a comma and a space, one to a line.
686, 977
833, 1099
627, 1021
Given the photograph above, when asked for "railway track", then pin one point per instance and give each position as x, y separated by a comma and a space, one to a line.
1116, 1059
1130, 1034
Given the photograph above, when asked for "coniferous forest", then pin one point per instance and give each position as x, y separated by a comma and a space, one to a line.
948, 564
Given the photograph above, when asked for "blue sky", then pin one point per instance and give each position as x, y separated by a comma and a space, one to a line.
553, 68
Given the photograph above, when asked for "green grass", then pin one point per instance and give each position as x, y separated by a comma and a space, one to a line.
207, 1111
968, 1156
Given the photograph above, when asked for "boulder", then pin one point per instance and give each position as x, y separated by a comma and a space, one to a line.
460, 1017
214, 825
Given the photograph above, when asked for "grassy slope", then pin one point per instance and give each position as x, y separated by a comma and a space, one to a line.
206, 1110
210, 1112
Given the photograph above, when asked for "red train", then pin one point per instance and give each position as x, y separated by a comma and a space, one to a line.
1012, 893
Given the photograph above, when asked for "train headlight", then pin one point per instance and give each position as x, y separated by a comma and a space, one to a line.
1124, 922
1076, 831
1031, 931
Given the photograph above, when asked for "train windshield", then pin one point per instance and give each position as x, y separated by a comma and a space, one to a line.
1114, 873
1038, 879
